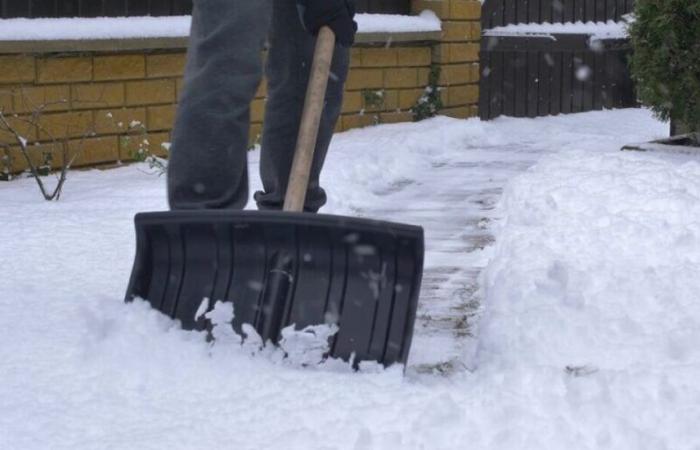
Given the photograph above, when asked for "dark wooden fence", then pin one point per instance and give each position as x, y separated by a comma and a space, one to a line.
503, 12
526, 79
530, 76
384, 6
94, 8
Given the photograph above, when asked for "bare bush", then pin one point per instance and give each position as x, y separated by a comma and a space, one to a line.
57, 146
55, 152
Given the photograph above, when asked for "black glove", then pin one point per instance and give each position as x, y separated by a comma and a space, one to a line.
336, 14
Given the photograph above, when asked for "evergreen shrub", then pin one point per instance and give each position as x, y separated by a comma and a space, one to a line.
665, 36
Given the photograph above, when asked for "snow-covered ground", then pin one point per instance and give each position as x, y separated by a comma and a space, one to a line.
587, 336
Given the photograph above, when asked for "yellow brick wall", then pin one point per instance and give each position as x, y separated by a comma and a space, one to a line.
96, 105
383, 84
107, 104
457, 54
95, 98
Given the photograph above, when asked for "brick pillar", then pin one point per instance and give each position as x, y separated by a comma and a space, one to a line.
457, 54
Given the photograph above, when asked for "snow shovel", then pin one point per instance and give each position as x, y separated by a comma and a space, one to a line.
287, 268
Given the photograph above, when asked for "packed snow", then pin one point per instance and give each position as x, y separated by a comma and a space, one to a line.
46, 29
587, 334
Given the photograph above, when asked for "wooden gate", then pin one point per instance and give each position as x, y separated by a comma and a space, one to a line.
497, 13
544, 74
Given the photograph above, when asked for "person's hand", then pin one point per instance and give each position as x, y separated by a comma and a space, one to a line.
336, 14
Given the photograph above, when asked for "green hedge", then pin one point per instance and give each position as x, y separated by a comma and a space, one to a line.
666, 60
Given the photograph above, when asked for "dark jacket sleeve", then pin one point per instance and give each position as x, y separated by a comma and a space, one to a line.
324, 11
337, 14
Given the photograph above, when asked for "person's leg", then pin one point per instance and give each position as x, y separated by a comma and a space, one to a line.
288, 67
208, 164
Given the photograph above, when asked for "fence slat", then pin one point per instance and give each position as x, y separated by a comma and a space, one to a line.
16, 8
558, 11
622, 8
485, 88
556, 84
579, 10
589, 82
180, 7
568, 14
532, 83
533, 13
68, 8
114, 8
509, 83
486, 15
43, 8
577, 85
159, 7
544, 83
601, 14
611, 11
496, 108
362, 5
498, 13
589, 15
567, 79
522, 12
510, 12
91, 8
545, 11
599, 88
136, 8
609, 79
625, 88
521, 84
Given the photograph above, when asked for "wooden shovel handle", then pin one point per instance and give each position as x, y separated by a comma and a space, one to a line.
310, 119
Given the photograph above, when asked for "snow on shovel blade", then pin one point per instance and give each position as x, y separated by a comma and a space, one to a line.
282, 268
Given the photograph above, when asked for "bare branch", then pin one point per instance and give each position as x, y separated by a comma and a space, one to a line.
23, 148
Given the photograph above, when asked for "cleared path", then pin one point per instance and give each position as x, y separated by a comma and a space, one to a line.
455, 201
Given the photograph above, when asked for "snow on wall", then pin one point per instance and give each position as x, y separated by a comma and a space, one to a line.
394, 23
597, 30
177, 26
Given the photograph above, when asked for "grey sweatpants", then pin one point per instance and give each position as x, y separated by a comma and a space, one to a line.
208, 164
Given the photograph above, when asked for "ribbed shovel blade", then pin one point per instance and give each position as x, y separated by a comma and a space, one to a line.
280, 269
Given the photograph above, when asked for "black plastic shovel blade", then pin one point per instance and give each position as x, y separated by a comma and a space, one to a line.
281, 269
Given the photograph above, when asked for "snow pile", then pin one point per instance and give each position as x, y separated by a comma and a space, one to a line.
176, 26
595, 277
597, 30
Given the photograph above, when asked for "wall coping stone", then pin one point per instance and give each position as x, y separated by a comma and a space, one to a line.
164, 43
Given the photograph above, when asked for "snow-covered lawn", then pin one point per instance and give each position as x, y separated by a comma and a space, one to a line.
587, 339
